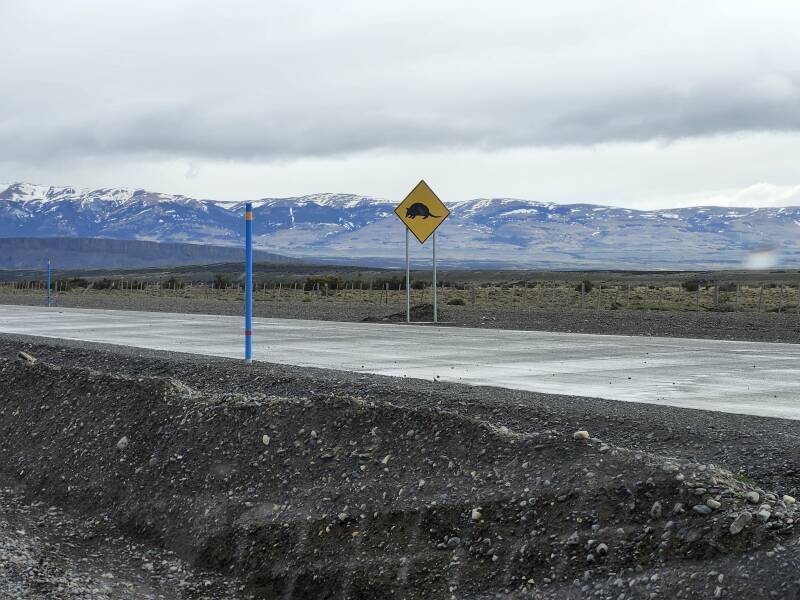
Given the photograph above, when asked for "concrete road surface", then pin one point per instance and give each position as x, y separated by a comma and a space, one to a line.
740, 377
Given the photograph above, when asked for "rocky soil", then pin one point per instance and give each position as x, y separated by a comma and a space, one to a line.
751, 326
303, 483
47, 553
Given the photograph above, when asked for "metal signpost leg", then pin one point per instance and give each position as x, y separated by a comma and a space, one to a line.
248, 295
435, 305
48, 283
408, 284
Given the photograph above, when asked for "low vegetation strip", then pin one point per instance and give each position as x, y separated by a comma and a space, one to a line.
341, 496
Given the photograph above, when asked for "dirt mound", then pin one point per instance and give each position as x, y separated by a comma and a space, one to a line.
305, 499
419, 312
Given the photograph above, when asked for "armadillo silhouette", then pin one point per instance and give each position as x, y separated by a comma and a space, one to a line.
418, 209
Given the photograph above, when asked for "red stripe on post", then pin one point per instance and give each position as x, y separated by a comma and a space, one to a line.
248, 333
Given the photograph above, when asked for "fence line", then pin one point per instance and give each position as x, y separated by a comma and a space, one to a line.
714, 296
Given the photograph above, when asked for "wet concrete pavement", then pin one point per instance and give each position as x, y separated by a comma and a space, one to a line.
740, 377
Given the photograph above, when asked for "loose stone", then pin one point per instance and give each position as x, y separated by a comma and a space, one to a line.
655, 510
740, 523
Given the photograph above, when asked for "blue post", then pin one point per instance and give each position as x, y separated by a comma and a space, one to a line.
248, 294
48, 283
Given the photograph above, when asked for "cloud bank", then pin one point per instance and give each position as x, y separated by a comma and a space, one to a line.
282, 80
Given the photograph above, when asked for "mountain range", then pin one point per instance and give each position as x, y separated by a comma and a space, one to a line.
487, 232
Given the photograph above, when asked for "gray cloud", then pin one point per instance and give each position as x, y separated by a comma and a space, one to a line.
272, 80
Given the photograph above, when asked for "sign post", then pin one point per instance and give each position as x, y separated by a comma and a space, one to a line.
435, 305
248, 294
408, 284
421, 212
49, 275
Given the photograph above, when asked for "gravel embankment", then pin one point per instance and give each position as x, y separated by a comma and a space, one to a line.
757, 327
49, 554
280, 475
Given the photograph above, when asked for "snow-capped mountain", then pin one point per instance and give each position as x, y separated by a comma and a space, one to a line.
497, 231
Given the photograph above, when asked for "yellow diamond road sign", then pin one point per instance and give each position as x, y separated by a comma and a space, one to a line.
422, 212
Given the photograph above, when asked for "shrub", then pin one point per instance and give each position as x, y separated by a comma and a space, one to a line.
173, 283
457, 302
728, 286
394, 283
588, 286
221, 281
104, 284
333, 282
691, 285
77, 282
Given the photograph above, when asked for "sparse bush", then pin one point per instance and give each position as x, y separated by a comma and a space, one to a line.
728, 286
173, 283
457, 302
588, 286
691, 285
104, 284
333, 282
77, 282
394, 282
221, 281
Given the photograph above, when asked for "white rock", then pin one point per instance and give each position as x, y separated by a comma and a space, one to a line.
752, 497
711, 503
787, 500
740, 522
147, 567
28, 359
265, 439
581, 435
477, 515
385, 459
656, 510
122, 443
764, 515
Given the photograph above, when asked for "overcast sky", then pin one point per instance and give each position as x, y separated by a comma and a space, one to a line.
637, 104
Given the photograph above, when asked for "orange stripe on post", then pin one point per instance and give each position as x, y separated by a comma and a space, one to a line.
248, 215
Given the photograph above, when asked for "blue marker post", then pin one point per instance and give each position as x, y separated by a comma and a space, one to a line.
48, 283
248, 294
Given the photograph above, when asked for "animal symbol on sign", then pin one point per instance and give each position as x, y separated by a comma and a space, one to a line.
418, 209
